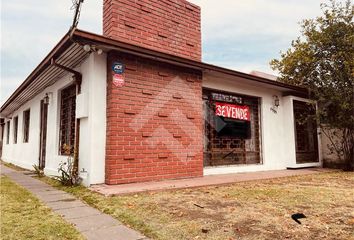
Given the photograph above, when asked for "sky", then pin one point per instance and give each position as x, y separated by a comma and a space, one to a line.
243, 35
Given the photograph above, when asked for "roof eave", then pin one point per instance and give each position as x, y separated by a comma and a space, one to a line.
85, 37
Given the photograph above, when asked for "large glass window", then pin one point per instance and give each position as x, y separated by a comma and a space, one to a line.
67, 120
26, 125
232, 129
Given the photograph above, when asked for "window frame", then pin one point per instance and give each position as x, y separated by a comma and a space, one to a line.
72, 132
15, 129
8, 132
26, 125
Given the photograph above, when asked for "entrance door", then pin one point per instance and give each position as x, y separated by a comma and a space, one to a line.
305, 133
43, 134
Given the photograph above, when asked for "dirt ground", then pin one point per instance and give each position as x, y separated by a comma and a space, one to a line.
248, 210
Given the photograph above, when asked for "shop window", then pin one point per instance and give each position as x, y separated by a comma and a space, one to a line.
15, 129
26, 125
67, 120
8, 132
232, 129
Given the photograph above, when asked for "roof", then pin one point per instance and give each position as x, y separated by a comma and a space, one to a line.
69, 52
264, 75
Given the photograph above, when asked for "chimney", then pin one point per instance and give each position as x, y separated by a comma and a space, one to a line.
169, 26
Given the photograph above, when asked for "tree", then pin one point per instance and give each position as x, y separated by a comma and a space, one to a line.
322, 60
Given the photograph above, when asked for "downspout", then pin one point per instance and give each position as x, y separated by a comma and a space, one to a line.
77, 76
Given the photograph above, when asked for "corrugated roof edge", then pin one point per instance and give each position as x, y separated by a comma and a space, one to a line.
87, 37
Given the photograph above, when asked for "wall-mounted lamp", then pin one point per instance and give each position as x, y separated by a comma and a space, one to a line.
276, 101
276, 104
47, 97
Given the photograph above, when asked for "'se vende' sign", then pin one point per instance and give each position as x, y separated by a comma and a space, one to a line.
232, 111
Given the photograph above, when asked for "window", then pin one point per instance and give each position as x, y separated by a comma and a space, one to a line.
15, 129
8, 132
2, 124
67, 120
26, 125
233, 136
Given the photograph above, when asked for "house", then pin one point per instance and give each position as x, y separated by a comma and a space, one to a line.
137, 104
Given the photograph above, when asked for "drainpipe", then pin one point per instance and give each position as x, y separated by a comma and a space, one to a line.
77, 76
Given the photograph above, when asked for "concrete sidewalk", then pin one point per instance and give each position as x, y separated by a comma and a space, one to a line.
200, 181
93, 224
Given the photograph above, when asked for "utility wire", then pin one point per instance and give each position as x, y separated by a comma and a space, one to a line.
77, 6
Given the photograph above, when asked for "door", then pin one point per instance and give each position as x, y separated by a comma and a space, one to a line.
305, 133
43, 134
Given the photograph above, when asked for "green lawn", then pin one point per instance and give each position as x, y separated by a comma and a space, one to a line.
24, 217
249, 210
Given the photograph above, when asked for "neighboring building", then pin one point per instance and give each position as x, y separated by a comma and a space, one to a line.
138, 105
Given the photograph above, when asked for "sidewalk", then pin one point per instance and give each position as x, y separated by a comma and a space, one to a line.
200, 181
93, 224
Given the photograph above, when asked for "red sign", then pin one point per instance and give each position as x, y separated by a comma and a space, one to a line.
233, 111
118, 80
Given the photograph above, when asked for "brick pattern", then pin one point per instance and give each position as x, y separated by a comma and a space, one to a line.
225, 150
170, 26
154, 122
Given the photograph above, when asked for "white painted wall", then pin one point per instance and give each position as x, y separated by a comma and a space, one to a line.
277, 129
92, 129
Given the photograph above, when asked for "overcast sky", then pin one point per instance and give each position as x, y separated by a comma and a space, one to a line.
239, 34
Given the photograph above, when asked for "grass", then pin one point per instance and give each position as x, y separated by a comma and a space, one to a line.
249, 210
24, 217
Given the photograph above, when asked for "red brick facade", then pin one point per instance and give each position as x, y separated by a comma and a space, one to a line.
169, 26
154, 122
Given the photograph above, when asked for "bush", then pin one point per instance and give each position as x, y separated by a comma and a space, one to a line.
67, 173
38, 170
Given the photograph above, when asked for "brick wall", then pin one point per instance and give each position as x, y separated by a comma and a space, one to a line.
154, 122
170, 26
